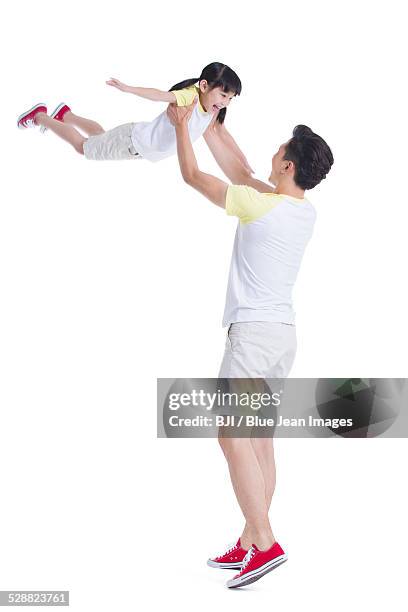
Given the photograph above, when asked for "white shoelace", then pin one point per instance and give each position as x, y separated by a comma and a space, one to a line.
231, 546
247, 558
29, 123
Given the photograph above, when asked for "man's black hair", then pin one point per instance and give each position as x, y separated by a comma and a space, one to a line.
311, 155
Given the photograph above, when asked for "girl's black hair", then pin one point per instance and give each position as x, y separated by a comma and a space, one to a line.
216, 75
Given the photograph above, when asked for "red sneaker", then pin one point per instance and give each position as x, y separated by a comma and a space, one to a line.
26, 120
256, 564
232, 559
58, 114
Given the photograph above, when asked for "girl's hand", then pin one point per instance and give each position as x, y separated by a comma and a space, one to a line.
118, 84
180, 114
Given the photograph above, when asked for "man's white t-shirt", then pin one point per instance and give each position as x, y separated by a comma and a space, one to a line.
155, 140
270, 241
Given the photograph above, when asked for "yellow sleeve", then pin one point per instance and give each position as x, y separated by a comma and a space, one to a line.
248, 204
185, 96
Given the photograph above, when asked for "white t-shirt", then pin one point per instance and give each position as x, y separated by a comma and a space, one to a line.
155, 140
271, 238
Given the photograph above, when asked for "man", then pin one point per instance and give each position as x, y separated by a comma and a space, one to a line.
275, 225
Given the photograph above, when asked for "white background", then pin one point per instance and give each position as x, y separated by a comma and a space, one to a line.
114, 273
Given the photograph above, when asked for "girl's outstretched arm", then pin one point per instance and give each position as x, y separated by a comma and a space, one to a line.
157, 95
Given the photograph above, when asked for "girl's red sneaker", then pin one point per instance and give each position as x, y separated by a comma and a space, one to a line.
27, 119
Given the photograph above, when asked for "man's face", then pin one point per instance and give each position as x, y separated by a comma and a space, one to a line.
278, 164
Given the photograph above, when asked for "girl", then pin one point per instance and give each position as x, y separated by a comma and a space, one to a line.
153, 140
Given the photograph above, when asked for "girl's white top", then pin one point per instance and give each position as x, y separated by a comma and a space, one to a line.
155, 140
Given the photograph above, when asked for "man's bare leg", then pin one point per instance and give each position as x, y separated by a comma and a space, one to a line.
90, 127
66, 132
264, 451
249, 486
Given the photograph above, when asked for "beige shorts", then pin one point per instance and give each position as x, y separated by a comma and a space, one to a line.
259, 349
113, 144
255, 353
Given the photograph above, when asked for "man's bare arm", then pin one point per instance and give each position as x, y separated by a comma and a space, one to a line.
230, 142
230, 164
210, 186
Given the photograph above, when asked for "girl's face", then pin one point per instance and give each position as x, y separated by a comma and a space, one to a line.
213, 100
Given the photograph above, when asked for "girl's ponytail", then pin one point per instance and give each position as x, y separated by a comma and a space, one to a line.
183, 84
221, 115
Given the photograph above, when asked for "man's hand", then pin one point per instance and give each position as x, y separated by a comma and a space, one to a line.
180, 115
118, 84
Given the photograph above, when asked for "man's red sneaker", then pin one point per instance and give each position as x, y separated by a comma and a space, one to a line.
58, 114
27, 119
232, 559
256, 564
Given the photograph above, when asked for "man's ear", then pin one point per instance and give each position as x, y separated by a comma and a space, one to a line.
289, 166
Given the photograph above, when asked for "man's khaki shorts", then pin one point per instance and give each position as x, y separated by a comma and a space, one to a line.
256, 353
113, 144
259, 349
